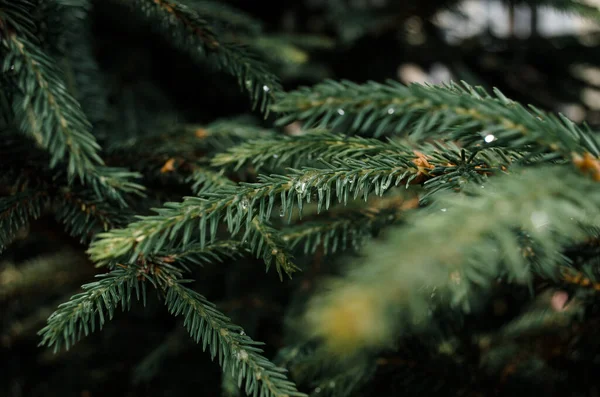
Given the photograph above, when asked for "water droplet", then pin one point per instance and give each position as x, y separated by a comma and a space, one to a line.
391, 111
332, 384
444, 209
275, 156
318, 390
483, 187
242, 332
244, 204
242, 355
266, 88
300, 187
489, 138
281, 212
258, 375
341, 112
352, 179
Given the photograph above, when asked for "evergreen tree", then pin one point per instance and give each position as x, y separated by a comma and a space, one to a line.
156, 156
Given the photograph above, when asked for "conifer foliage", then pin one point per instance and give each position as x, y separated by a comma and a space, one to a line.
426, 238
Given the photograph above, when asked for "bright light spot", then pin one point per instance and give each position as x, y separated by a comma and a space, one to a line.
539, 219
489, 138
341, 112
242, 355
266, 88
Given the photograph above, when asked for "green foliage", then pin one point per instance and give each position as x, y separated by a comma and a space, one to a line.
205, 179
187, 141
46, 112
470, 115
83, 210
75, 55
198, 255
84, 215
435, 194
92, 308
225, 16
17, 210
299, 150
493, 220
192, 33
236, 351
237, 206
345, 228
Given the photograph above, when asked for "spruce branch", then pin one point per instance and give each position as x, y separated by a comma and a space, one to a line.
175, 223
538, 320
114, 182
450, 166
188, 140
488, 244
17, 210
205, 179
17, 14
277, 49
290, 53
45, 110
236, 351
238, 205
465, 114
267, 243
227, 16
197, 255
47, 113
77, 317
85, 215
83, 77
295, 150
346, 227
97, 304
83, 210
195, 35
223, 134
585, 278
